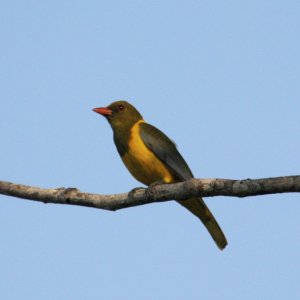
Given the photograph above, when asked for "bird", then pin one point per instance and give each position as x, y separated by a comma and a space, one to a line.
152, 158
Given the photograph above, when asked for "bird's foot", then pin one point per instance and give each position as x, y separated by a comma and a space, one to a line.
131, 193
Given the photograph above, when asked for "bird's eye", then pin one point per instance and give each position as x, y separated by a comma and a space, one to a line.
121, 107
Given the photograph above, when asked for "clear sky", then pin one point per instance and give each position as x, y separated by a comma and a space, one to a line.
221, 78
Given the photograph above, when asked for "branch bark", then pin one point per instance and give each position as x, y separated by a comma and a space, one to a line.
159, 193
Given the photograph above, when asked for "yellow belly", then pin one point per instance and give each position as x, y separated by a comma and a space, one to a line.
142, 162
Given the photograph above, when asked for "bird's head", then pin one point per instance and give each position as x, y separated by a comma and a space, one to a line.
120, 114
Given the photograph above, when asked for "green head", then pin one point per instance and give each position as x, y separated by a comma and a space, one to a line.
121, 115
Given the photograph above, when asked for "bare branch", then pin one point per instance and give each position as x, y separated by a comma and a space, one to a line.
159, 193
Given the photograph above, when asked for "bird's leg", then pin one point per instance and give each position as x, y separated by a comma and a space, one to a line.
153, 184
131, 193
158, 182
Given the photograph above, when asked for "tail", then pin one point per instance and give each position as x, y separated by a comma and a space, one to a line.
197, 207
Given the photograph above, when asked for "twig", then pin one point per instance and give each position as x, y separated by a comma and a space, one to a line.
159, 193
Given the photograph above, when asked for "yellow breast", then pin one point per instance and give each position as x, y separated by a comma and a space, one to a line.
142, 162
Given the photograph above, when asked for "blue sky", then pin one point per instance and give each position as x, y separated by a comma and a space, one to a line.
221, 78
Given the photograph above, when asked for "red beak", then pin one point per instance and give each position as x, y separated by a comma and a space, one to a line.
103, 111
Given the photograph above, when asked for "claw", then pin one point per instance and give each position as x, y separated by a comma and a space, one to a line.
131, 193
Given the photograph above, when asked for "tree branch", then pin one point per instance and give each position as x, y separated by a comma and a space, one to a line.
159, 193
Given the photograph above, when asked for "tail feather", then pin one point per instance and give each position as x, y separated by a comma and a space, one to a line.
197, 207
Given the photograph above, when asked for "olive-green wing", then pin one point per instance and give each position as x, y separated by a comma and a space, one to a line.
165, 150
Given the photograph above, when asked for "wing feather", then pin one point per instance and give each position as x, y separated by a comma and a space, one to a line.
165, 150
